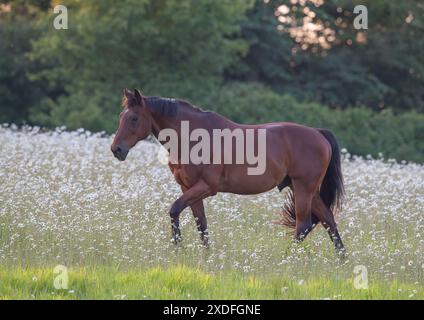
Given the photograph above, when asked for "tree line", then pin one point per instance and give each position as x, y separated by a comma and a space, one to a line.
252, 61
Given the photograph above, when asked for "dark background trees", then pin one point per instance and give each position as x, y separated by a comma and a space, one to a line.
253, 61
325, 59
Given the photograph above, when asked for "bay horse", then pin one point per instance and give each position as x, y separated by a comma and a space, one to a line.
307, 160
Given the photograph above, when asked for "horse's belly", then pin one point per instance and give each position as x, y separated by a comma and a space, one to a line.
249, 184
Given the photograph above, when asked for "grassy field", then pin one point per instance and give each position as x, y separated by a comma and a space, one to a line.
182, 282
66, 201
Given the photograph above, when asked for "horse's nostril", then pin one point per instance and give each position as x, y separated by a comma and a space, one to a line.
120, 152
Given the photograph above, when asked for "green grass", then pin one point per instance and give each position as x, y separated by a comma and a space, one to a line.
65, 200
182, 282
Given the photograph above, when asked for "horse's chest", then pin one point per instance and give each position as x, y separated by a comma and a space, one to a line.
181, 175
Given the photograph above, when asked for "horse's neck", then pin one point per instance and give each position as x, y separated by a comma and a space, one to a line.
162, 121
194, 116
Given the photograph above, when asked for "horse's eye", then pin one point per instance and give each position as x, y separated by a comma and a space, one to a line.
134, 119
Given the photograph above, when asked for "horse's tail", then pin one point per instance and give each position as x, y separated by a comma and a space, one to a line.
332, 190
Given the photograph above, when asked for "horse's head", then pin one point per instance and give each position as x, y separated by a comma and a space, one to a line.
135, 124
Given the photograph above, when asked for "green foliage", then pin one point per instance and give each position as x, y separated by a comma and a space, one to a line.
147, 44
238, 57
336, 64
17, 92
360, 130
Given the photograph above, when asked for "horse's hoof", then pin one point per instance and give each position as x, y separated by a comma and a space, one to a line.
297, 241
177, 239
342, 254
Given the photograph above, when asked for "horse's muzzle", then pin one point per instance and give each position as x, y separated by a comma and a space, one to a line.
120, 153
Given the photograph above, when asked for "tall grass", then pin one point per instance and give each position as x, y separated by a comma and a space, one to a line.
66, 200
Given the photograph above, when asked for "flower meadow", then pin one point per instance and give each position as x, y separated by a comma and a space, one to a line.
64, 199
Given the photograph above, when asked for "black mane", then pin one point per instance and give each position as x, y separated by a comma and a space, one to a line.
163, 106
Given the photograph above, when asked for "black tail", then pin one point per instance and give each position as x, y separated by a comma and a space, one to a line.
332, 189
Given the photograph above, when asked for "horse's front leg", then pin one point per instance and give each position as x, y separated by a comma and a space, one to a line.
198, 191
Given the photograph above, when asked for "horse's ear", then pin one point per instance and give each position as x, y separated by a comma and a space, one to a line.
127, 93
138, 97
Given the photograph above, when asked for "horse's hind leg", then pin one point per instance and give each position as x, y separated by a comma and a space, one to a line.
303, 193
201, 223
325, 215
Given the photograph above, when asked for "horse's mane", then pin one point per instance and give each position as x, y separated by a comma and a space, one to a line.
161, 106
